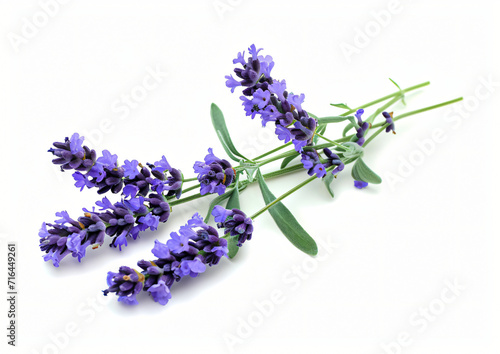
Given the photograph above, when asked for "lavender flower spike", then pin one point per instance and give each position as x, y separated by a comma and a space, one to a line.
122, 221
234, 222
127, 283
214, 174
106, 174
270, 100
388, 120
189, 251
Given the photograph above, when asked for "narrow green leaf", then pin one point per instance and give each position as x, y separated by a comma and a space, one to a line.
221, 129
394, 82
232, 246
287, 160
353, 121
234, 198
361, 172
402, 99
340, 105
353, 150
287, 223
352, 124
346, 129
226, 148
320, 130
328, 183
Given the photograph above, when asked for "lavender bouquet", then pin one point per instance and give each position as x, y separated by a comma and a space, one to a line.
150, 192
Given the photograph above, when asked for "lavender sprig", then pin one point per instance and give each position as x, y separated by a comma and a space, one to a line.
148, 192
186, 253
122, 221
271, 100
105, 174
145, 194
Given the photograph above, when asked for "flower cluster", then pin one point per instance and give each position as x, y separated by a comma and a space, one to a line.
127, 283
388, 120
269, 98
121, 221
214, 174
105, 174
234, 222
144, 203
313, 162
149, 191
146, 192
187, 252
362, 127
70, 236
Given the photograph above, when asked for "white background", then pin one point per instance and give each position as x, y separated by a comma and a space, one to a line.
398, 245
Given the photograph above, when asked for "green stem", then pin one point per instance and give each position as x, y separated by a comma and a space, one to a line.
187, 199
411, 88
273, 151
407, 114
374, 135
401, 92
284, 171
190, 179
297, 167
191, 188
322, 146
278, 157
383, 108
404, 115
283, 196
273, 174
293, 152
331, 141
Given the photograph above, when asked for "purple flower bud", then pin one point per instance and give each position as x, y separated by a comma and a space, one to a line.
388, 120
235, 223
160, 292
130, 168
360, 184
214, 174
363, 127
71, 155
332, 160
127, 283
